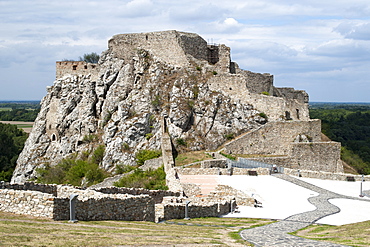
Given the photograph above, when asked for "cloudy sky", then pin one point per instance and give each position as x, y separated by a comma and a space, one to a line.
322, 47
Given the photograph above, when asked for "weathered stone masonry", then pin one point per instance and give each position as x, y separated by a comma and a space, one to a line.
52, 201
91, 205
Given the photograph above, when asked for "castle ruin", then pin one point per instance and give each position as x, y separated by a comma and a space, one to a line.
150, 90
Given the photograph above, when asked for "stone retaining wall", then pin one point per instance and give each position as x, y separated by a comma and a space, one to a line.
220, 171
325, 175
275, 138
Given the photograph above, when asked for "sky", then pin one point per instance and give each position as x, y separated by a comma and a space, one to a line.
322, 47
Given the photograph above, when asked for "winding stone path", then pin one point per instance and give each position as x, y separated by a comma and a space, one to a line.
276, 234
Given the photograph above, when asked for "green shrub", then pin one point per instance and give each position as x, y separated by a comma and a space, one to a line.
181, 142
98, 154
195, 92
229, 136
157, 101
191, 104
148, 136
121, 169
89, 138
199, 68
214, 72
146, 154
90, 57
265, 93
263, 115
152, 179
229, 156
73, 170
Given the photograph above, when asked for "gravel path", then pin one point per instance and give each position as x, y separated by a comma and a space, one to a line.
276, 234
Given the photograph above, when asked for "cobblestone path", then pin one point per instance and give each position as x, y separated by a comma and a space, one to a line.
276, 234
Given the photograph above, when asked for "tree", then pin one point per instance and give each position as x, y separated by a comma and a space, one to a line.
11, 144
90, 57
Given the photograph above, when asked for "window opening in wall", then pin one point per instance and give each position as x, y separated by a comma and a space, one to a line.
297, 113
53, 137
85, 66
146, 37
287, 115
74, 67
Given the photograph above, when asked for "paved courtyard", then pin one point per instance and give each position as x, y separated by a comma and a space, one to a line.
295, 202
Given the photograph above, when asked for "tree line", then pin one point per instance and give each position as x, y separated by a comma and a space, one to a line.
350, 125
12, 142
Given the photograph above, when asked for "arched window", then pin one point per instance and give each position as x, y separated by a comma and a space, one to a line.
53, 137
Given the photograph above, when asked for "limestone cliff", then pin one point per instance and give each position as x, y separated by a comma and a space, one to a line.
203, 97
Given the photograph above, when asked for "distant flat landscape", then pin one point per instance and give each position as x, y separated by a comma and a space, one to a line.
26, 126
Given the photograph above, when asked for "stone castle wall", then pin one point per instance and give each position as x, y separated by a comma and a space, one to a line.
275, 138
171, 47
75, 68
290, 144
319, 156
247, 87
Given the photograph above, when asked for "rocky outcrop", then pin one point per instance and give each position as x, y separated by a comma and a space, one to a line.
203, 97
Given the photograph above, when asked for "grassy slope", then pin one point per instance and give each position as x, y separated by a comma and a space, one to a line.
28, 231
357, 234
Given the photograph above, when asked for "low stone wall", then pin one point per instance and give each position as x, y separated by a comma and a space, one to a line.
90, 204
27, 202
220, 171
226, 191
44, 188
215, 163
157, 195
177, 210
123, 207
325, 175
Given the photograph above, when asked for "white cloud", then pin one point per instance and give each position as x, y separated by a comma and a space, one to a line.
359, 30
312, 45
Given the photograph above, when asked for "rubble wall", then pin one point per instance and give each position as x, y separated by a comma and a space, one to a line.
320, 156
90, 204
275, 138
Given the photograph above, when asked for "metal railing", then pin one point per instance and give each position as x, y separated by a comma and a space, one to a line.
247, 163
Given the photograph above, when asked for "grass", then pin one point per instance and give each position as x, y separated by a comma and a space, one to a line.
191, 157
17, 230
29, 231
357, 234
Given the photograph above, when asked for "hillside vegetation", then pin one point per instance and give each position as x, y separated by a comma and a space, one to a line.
350, 125
12, 141
19, 111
